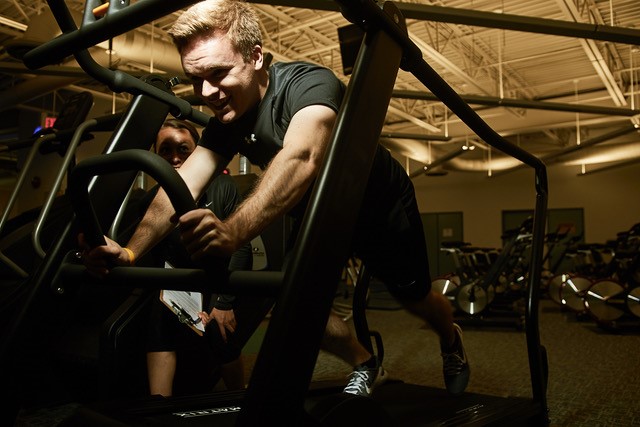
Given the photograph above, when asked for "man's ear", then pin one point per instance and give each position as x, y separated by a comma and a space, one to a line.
258, 57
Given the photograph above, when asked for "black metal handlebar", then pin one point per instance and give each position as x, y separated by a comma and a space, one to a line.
265, 283
123, 161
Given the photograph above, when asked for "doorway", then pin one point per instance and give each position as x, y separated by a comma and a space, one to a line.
441, 227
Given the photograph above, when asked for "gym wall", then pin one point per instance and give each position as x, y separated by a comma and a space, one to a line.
609, 199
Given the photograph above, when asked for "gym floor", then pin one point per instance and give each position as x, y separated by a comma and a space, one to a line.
594, 375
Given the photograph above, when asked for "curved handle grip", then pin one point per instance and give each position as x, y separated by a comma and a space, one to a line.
123, 161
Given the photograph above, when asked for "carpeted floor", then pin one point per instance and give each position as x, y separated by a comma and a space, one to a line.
594, 375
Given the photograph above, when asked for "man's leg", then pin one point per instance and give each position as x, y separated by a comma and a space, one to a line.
339, 341
161, 369
249, 312
436, 310
390, 241
367, 371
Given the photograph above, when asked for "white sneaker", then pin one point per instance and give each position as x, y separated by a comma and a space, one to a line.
362, 381
456, 367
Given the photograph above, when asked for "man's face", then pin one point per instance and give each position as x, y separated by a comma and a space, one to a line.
174, 145
221, 77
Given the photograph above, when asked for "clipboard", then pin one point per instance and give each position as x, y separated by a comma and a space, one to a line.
185, 305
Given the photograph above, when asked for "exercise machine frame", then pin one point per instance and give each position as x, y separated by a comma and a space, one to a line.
292, 340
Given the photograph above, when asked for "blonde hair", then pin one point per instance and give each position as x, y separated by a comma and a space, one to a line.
235, 17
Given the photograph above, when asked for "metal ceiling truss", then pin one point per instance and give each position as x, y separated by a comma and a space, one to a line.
465, 49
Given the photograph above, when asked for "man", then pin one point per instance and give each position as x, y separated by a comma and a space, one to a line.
281, 119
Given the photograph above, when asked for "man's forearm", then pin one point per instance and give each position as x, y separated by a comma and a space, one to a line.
155, 225
281, 187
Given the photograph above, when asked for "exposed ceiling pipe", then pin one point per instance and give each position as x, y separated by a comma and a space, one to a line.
136, 47
579, 30
610, 167
502, 165
489, 19
126, 51
416, 149
523, 103
32, 89
553, 157
520, 23
603, 155
133, 46
50, 70
441, 160
127, 47
595, 56
412, 119
497, 164
13, 24
447, 64
595, 122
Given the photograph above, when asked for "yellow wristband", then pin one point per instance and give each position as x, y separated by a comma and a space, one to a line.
132, 256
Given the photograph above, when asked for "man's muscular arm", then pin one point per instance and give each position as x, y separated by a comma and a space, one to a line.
153, 227
281, 187
197, 171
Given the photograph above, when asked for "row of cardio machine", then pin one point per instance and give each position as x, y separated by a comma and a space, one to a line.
487, 286
602, 281
54, 295
596, 281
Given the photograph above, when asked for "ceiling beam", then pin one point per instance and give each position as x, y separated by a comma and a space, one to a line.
476, 18
595, 56
67, 71
447, 64
418, 136
412, 119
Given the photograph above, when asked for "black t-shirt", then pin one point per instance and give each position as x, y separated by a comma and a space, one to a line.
258, 135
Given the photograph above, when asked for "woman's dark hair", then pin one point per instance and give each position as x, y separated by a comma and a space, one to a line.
182, 124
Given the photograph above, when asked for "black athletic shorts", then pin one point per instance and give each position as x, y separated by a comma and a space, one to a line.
396, 253
389, 237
